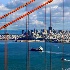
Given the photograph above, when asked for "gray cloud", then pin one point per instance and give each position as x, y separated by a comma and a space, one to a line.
15, 3
66, 3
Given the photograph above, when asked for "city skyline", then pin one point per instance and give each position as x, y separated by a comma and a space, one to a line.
37, 18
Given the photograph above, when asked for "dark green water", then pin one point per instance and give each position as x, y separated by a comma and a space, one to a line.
17, 56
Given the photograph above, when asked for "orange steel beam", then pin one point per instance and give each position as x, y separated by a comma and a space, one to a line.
27, 13
27, 3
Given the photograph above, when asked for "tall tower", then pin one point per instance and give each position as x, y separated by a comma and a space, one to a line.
50, 28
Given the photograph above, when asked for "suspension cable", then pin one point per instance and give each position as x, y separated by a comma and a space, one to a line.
50, 46
27, 13
6, 51
63, 40
27, 42
28, 48
45, 40
20, 7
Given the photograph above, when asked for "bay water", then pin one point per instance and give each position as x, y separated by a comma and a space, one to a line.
17, 52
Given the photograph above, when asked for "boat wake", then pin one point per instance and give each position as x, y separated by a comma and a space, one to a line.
67, 60
57, 52
53, 52
66, 69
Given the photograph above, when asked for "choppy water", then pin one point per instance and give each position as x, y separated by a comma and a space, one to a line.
17, 56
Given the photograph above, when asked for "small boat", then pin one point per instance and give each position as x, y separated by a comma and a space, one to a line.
37, 49
63, 59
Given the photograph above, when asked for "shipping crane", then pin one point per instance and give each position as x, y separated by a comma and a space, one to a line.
27, 13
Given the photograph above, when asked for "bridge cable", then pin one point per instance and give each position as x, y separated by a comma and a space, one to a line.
6, 51
50, 46
27, 42
20, 7
63, 40
27, 13
45, 41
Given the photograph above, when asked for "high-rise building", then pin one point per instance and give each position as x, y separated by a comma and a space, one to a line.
29, 32
23, 32
50, 28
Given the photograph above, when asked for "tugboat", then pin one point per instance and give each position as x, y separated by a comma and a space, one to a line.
37, 49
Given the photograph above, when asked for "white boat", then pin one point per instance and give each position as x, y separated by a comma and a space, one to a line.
40, 48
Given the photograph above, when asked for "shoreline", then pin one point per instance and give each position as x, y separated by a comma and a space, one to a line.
34, 41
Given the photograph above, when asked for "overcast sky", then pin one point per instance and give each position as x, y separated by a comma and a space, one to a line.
36, 19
